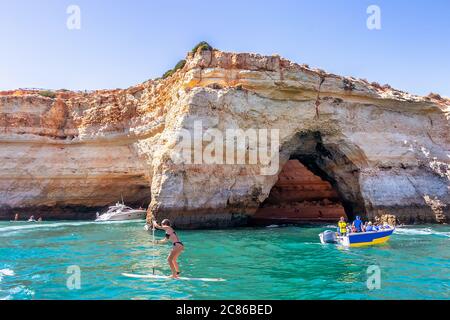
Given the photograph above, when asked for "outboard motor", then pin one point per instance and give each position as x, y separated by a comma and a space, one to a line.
328, 237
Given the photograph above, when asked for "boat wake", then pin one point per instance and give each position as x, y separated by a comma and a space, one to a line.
421, 232
43, 225
24, 226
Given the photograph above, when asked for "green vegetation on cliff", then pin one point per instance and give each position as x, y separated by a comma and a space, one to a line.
202, 46
177, 67
47, 93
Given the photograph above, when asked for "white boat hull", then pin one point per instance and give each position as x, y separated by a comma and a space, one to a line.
123, 216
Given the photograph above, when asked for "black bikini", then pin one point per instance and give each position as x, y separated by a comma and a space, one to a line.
175, 243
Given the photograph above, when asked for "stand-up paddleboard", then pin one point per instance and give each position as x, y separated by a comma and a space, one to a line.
160, 277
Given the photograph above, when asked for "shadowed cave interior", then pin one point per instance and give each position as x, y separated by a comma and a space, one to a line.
319, 183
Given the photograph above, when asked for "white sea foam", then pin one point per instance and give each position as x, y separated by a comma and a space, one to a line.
6, 273
16, 291
12, 293
426, 231
34, 225
421, 232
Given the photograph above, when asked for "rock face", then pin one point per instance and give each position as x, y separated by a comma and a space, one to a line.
299, 196
385, 152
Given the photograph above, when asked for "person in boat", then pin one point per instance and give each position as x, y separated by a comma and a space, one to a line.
386, 225
32, 219
177, 248
369, 227
357, 224
364, 226
16, 217
342, 227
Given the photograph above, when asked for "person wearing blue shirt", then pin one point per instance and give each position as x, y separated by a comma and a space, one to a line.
358, 224
369, 227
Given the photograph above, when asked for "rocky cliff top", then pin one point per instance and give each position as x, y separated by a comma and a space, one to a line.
239, 67
73, 116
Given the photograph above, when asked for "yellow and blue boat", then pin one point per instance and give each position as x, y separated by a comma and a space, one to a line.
361, 239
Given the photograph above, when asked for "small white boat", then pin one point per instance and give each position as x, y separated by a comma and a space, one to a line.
121, 212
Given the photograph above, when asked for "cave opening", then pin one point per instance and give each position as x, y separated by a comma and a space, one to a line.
318, 183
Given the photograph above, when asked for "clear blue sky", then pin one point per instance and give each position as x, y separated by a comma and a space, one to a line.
122, 43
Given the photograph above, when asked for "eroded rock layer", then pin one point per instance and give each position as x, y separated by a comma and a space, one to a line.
299, 196
385, 152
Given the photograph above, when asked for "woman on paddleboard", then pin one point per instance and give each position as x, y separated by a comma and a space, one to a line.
177, 248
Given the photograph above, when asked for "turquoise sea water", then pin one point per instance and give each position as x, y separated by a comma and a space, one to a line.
262, 263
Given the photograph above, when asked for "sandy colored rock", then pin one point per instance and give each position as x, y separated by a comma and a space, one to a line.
385, 150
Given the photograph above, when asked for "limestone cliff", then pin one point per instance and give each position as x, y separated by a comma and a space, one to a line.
384, 151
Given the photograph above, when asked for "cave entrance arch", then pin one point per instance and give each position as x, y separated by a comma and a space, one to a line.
318, 183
